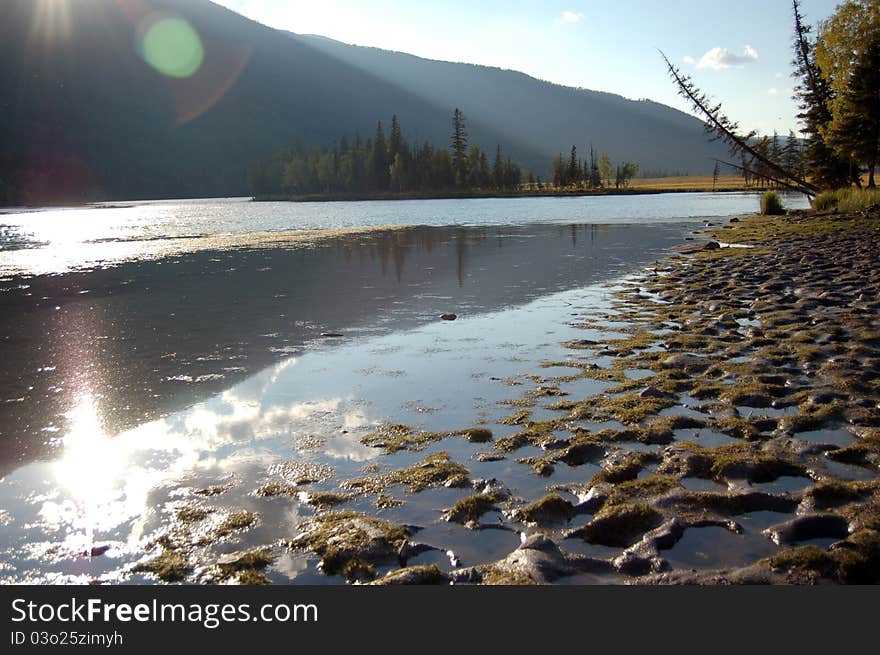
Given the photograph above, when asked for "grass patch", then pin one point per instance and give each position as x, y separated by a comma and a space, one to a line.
847, 200
771, 204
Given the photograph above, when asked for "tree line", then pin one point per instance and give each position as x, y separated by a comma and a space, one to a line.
596, 173
386, 164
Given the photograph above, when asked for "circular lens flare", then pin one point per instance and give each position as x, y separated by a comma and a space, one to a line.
173, 47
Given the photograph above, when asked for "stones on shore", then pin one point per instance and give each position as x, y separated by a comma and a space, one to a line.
448, 317
750, 349
711, 245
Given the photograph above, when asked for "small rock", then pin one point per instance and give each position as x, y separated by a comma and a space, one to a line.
712, 245
331, 335
448, 317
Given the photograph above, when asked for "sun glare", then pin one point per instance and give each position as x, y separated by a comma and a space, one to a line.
172, 46
51, 20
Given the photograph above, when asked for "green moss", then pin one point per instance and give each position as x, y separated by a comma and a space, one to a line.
629, 408
170, 566
479, 435
351, 543
764, 229
434, 471
245, 567
739, 428
744, 458
649, 487
495, 576
357, 569
192, 514
393, 437
471, 508
832, 493
535, 433
251, 578
421, 575
638, 341
385, 501
519, 418
812, 417
273, 489
620, 525
234, 522
552, 508
805, 558
623, 472
327, 499
750, 392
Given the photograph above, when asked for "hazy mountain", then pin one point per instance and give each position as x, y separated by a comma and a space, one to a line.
84, 115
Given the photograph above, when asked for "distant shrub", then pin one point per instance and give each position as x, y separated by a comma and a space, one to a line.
771, 204
847, 200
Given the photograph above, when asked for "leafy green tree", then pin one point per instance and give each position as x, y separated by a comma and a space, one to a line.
855, 130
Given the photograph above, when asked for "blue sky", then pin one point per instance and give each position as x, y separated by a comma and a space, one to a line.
737, 52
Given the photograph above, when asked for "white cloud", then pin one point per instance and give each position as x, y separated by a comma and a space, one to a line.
690, 61
721, 58
572, 17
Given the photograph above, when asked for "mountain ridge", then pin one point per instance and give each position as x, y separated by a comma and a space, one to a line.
87, 118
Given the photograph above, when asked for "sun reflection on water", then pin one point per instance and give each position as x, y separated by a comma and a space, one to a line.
87, 471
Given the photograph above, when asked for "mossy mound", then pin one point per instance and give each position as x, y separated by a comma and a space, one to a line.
351, 544
620, 525
549, 510
436, 470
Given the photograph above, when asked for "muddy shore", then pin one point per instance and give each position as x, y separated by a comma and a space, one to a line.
759, 397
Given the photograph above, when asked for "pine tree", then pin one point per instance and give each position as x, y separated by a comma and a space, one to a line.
573, 166
459, 147
395, 139
378, 162
814, 93
595, 179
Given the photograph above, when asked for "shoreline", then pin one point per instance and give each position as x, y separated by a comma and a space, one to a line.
778, 350
479, 195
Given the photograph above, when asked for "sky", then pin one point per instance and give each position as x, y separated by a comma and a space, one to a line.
737, 52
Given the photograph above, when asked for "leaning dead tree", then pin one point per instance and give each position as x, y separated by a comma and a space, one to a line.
721, 128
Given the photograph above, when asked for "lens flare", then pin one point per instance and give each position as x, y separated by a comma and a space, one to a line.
173, 47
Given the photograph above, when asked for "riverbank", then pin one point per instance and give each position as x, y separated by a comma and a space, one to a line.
731, 437
638, 187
